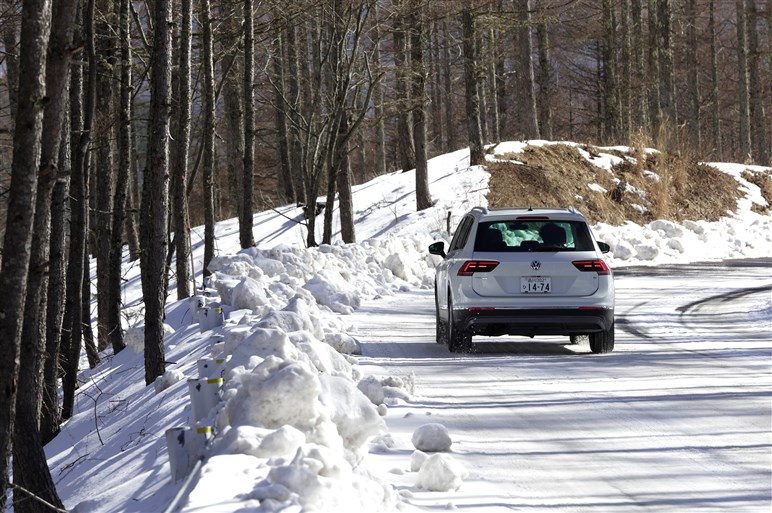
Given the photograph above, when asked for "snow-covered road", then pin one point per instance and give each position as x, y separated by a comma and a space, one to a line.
677, 418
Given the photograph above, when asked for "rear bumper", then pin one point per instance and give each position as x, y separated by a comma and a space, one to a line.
535, 321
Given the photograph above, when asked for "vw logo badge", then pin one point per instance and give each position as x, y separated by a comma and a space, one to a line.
535, 265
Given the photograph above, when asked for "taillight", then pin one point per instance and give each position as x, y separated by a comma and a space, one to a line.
477, 266
598, 266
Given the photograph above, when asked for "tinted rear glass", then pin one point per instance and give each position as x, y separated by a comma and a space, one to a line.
533, 235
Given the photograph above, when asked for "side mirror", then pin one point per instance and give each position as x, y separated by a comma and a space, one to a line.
438, 248
604, 248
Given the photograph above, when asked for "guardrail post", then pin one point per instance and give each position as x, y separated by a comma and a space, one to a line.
204, 395
210, 367
185, 445
209, 318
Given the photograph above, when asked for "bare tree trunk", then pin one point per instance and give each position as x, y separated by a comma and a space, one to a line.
756, 90
692, 77
10, 34
104, 169
609, 93
297, 157
346, 200
246, 238
77, 271
155, 197
89, 344
502, 101
30, 468
435, 95
448, 92
115, 335
528, 116
625, 93
50, 415
665, 57
476, 153
233, 114
654, 92
742, 71
404, 124
482, 85
132, 203
716, 149
418, 79
638, 86
380, 118
545, 79
180, 222
208, 135
284, 174
36, 20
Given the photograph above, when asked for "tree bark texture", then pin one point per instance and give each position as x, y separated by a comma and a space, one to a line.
29, 462
180, 222
406, 151
246, 238
742, 74
153, 222
418, 79
208, 135
115, 282
35, 29
103, 171
529, 124
474, 132
759, 144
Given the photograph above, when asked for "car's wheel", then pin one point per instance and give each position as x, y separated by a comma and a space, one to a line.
459, 341
603, 341
441, 326
578, 339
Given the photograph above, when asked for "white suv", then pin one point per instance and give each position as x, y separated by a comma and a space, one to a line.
521, 271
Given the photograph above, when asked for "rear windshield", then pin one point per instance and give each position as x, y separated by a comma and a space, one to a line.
533, 235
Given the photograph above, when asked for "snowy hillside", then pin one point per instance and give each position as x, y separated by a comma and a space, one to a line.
298, 426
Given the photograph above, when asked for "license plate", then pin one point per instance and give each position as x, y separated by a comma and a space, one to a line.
535, 285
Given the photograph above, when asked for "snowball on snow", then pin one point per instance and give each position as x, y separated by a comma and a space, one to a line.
168, 379
432, 438
441, 473
372, 388
417, 460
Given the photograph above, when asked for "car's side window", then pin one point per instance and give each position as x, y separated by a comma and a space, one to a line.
461, 235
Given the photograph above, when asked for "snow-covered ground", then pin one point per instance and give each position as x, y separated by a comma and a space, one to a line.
303, 422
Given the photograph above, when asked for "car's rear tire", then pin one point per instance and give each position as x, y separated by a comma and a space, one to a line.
441, 326
459, 340
603, 341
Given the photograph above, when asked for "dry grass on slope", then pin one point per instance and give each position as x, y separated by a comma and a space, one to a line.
764, 182
642, 188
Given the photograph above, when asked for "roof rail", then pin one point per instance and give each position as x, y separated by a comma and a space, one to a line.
484, 210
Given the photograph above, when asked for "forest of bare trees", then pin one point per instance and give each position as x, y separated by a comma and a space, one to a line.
124, 123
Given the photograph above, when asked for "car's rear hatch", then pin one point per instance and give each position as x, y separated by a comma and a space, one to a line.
537, 274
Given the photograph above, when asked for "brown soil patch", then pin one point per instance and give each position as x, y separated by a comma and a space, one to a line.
641, 188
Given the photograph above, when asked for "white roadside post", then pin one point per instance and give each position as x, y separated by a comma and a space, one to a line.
186, 446
204, 395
